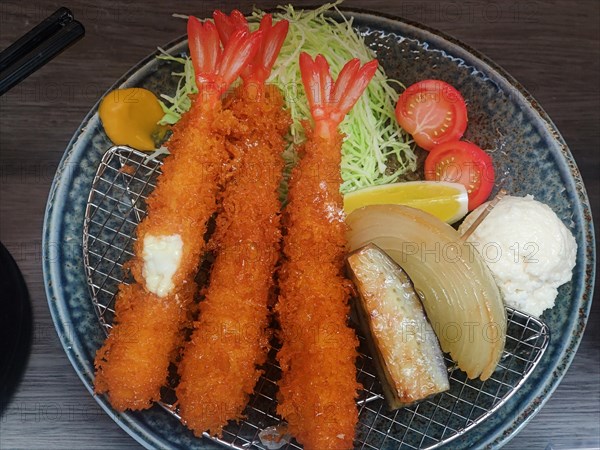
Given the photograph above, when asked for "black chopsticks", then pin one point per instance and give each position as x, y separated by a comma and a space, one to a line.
37, 47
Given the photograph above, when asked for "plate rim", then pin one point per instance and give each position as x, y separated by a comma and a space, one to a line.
539, 396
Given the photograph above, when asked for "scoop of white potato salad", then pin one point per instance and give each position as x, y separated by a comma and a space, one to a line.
528, 249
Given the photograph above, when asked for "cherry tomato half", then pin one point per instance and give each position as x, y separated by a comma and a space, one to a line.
464, 163
433, 112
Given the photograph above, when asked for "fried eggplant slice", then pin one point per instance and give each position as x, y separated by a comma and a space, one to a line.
404, 346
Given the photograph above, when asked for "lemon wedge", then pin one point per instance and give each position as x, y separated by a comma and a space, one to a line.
446, 201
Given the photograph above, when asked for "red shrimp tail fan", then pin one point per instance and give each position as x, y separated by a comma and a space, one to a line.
215, 67
270, 46
227, 24
330, 101
273, 36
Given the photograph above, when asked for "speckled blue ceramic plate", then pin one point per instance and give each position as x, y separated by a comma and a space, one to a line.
528, 152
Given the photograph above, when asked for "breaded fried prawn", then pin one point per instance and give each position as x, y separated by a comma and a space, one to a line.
221, 362
132, 365
318, 388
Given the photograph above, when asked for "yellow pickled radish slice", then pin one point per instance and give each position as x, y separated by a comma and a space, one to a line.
444, 200
130, 117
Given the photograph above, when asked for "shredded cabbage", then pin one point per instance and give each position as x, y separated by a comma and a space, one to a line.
186, 86
376, 150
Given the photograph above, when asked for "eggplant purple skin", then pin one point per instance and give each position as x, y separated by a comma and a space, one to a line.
405, 349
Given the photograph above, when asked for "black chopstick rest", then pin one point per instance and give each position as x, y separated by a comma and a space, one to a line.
38, 46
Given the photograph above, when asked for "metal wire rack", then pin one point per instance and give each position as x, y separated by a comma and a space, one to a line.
116, 204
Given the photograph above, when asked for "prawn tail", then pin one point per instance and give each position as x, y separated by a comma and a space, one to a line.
257, 71
227, 24
330, 100
217, 67
271, 43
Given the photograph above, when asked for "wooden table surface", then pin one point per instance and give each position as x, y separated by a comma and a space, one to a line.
552, 48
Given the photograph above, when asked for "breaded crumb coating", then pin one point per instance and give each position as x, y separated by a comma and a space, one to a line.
133, 362
221, 363
186, 194
132, 365
318, 388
